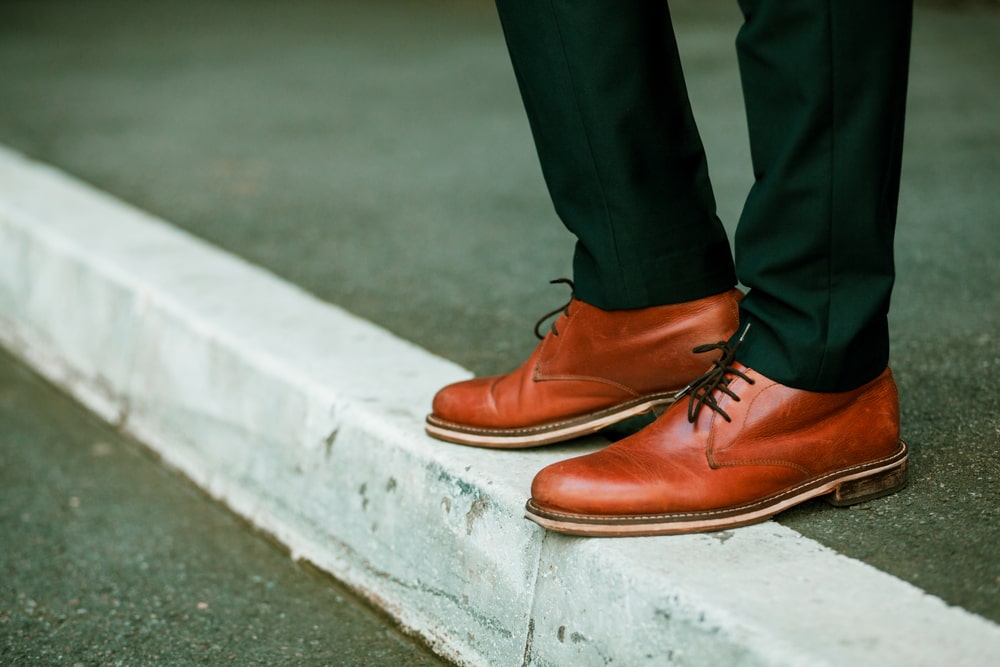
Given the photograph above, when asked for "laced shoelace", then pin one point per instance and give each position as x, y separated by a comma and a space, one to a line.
716, 379
561, 309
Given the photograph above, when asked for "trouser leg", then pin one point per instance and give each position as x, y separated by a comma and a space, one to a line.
602, 84
825, 85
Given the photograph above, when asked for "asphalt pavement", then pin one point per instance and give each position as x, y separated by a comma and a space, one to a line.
376, 153
108, 558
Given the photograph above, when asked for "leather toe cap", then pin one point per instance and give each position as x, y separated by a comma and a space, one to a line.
469, 402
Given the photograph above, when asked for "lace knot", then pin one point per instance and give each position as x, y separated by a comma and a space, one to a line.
703, 391
561, 309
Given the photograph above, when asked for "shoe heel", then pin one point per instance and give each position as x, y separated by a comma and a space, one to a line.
880, 484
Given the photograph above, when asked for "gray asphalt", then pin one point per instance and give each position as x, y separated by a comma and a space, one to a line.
377, 154
110, 559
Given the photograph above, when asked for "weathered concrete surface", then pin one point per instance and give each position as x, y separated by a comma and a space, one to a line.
307, 421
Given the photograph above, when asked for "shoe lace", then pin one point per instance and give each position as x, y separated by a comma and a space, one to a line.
716, 379
561, 309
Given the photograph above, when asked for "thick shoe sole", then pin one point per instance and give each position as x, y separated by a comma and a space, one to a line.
550, 432
847, 486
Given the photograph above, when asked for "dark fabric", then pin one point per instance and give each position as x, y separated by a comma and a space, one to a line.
825, 88
825, 85
602, 85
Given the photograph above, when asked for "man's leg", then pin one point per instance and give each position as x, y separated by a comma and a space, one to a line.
825, 90
602, 85
801, 403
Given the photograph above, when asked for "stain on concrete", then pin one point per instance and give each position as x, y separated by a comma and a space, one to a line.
328, 442
529, 641
464, 488
475, 512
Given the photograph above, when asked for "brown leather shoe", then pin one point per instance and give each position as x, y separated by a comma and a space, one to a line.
595, 368
742, 449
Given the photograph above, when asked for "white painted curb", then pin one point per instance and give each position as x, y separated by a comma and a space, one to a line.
308, 422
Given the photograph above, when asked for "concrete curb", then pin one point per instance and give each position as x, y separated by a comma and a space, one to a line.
308, 422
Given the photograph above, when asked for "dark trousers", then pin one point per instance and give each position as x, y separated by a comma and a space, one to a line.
824, 83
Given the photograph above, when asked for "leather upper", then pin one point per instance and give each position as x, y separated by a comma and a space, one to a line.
778, 437
593, 359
